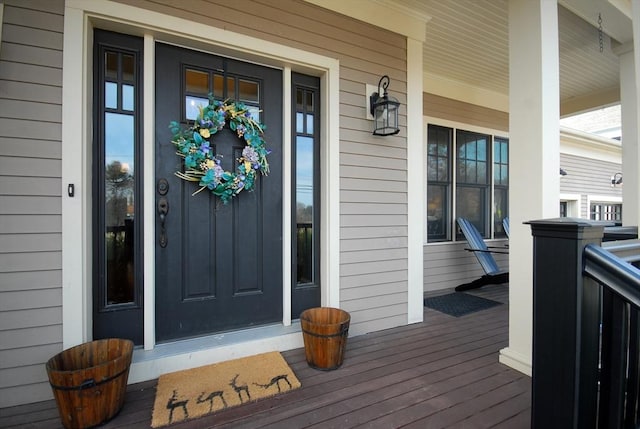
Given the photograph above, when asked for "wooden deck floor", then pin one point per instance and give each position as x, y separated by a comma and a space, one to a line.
443, 373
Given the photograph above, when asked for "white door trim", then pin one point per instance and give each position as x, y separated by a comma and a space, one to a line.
80, 17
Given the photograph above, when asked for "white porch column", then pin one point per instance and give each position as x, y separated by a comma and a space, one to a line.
415, 174
534, 136
630, 137
630, 102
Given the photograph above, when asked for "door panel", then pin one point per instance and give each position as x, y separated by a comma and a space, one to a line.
221, 268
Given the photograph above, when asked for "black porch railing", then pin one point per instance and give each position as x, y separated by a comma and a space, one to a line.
586, 351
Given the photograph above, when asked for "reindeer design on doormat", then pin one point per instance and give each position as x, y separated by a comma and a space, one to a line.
239, 389
211, 397
173, 404
275, 380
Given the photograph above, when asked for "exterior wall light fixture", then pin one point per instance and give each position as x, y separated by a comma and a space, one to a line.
616, 179
384, 110
563, 172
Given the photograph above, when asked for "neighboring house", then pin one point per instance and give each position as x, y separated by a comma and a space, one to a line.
593, 165
99, 238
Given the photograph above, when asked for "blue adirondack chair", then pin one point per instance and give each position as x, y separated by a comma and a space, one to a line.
493, 273
505, 226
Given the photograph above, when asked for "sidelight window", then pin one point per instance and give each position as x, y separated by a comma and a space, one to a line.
306, 194
117, 176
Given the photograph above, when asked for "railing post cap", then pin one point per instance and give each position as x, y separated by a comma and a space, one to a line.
568, 227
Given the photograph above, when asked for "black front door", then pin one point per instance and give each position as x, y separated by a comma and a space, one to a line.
219, 266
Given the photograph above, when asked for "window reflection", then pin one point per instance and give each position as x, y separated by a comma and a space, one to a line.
111, 65
470, 204
193, 105
218, 86
248, 91
128, 68
119, 207
197, 81
127, 97
309, 101
111, 95
309, 123
231, 87
304, 208
299, 122
436, 203
254, 112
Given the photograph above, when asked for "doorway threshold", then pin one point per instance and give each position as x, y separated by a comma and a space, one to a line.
194, 352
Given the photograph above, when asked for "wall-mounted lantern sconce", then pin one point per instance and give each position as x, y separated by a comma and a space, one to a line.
616, 179
563, 172
384, 110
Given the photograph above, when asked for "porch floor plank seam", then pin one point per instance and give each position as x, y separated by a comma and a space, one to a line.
442, 373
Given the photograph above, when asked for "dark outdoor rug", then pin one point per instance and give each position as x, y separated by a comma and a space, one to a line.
459, 304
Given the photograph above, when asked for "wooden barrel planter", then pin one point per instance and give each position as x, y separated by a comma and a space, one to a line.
89, 381
325, 331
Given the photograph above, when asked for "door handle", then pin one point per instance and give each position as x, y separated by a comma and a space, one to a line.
163, 210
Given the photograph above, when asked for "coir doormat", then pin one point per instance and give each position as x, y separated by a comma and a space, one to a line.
459, 304
199, 391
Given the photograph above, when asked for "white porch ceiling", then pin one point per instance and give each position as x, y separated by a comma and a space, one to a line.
467, 42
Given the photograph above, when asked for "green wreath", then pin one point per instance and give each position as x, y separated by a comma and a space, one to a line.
201, 165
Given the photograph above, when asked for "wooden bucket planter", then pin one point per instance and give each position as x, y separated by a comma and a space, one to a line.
325, 331
89, 381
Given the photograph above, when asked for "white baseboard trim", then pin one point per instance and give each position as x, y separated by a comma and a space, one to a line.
516, 360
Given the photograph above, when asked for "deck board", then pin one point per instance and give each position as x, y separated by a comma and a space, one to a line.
442, 373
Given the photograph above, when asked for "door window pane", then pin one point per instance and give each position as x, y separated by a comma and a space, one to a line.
231, 87
128, 67
196, 81
111, 65
111, 95
306, 161
306, 205
127, 97
255, 113
193, 105
299, 122
304, 209
218, 86
309, 123
119, 207
248, 91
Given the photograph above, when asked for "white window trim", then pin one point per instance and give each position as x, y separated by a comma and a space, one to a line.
603, 199
573, 204
80, 16
429, 120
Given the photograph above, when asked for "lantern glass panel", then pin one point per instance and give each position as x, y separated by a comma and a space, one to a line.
386, 116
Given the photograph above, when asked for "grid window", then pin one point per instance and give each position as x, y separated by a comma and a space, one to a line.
439, 143
606, 211
472, 185
467, 176
564, 207
501, 184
